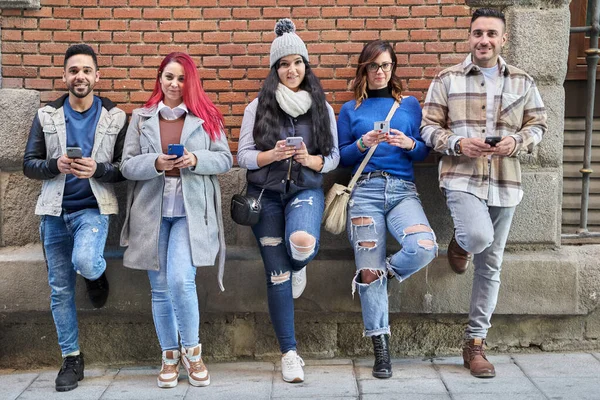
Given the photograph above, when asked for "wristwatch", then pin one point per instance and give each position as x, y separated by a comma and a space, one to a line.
457, 150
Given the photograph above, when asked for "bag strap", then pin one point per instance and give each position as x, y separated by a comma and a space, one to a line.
363, 164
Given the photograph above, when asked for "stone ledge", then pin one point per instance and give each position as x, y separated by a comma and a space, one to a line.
16, 4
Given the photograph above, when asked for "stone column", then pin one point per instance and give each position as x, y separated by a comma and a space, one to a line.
538, 42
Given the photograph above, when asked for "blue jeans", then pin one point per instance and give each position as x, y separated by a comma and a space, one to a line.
378, 203
483, 231
283, 218
174, 297
73, 244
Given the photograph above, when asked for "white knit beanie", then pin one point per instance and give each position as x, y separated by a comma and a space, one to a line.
286, 42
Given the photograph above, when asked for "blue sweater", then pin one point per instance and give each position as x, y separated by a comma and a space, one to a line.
352, 124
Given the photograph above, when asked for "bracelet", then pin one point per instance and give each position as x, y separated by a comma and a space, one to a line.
361, 143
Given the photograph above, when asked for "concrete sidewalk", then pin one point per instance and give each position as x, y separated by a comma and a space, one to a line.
519, 376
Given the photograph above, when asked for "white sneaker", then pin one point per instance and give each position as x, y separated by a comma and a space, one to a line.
298, 282
291, 367
169, 373
191, 358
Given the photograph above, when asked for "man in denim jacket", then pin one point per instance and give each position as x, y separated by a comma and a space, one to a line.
480, 114
74, 148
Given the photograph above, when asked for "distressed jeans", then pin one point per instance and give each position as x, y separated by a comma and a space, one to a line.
73, 244
174, 297
282, 216
380, 204
483, 231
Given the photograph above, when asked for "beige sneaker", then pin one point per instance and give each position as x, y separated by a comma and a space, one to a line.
169, 373
193, 364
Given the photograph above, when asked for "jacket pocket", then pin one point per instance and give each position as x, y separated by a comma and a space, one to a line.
511, 111
106, 150
53, 148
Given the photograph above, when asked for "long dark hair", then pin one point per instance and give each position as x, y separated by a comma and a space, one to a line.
368, 54
268, 114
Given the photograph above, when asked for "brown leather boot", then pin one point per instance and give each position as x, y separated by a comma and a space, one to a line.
457, 257
474, 359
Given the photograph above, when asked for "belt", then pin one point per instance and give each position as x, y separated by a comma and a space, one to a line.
372, 174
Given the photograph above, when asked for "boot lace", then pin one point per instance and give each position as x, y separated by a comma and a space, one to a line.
382, 353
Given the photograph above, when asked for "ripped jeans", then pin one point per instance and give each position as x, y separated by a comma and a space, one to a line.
285, 220
378, 203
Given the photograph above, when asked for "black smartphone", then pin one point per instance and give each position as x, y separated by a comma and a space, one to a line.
175, 150
493, 140
74, 152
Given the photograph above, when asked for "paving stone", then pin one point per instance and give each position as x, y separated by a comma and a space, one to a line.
12, 385
402, 386
568, 388
499, 396
320, 381
140, 383
404, 368
90, 388
576, 365
413, 396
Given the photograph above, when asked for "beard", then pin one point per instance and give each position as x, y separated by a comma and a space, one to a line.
80, 93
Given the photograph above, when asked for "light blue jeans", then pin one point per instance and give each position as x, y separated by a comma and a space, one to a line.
379, 204
174, 298
483, 231
73, 244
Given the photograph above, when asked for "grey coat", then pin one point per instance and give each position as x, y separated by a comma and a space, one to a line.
201, 192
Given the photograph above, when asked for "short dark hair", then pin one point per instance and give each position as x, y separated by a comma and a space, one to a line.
488, 12
81, 49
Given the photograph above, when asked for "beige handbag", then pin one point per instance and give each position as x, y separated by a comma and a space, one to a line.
336, 201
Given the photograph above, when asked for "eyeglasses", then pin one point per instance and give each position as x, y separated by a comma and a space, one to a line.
385, 67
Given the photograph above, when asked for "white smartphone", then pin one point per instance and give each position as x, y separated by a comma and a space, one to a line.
383, 126
295, 141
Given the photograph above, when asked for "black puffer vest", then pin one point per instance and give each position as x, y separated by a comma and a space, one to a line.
275, 175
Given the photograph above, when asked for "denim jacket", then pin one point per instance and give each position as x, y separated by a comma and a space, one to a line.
48, 141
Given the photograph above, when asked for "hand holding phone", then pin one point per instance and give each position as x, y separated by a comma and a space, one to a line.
295, 141
493, 140
175, 150
74, 152
382, 127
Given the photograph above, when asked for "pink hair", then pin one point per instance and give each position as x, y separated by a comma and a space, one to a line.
194, 97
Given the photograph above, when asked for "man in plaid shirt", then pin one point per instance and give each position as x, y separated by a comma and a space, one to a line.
481, 114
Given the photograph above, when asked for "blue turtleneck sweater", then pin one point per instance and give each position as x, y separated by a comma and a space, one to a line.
353, 123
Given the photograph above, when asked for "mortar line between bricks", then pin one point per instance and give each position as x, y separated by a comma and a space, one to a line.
439, 374
514, 361
109, 384
28, 386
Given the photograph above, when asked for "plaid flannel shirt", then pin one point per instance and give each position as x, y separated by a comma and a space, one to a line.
455, 108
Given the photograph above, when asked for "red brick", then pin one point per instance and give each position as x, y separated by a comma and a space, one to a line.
127, 37
157, 37
457, 11
451, 59
215, 85
345, 73
349, 48
139, 97
394, 35
187, 37
248, 61
364, 36
53, 24
395, 11
38, 84
51, 48
172, 3
270, 12
425, 11
142, 25
419, 35
462, 47
333, 60
415, 84
12, 83
231, 49
44, 12
111, 3
380, 24
262, 25
21, 72
104, 84
306, 12
246, 37
116, 97
217, 37
307, 36
431, 72
409, 47
187, 13
238, 109
51, 72
118, 73
11, 35
233, 3
351, 24
142, 3
12, 13
328, 12
233, 26
54, 2
97, 13
423, 59
128, 108
203, 25
143, 73
216, 61
92, 37
441, 23
113, 48
439, 47
165, 49
216, 13
85, 3
127, 13
113, 25
381, 2
202, 49
172, 26
321, 48
67, 36
232, 73
262, 2
410, 23
157, 13
409, 72
127, 84
261, 48
46, 97
32, 59
83, 25
463, 22
126, 61
365, 12
13, 59
203, 3
454, 34
334, 84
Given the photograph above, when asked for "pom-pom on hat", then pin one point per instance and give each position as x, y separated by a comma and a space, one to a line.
286, 42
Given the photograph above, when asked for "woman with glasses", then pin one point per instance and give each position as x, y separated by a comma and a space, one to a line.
385, 197
288, 140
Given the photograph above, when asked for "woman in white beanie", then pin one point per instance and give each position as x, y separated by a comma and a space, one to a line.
288, 140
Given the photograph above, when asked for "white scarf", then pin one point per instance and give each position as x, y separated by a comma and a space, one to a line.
293, 103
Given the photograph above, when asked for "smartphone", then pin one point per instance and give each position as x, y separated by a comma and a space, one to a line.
295, 141
175, 150
493, 140
383, 126
74, 152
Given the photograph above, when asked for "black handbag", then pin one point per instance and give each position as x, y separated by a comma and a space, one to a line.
245, 209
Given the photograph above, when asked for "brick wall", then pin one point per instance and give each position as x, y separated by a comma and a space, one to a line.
229, 40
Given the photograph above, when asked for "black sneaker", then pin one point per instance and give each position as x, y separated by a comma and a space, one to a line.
70, 373
383, 365
98, 290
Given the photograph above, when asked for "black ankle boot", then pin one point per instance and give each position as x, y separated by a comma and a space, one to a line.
383, 365
70, 373
97, 290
